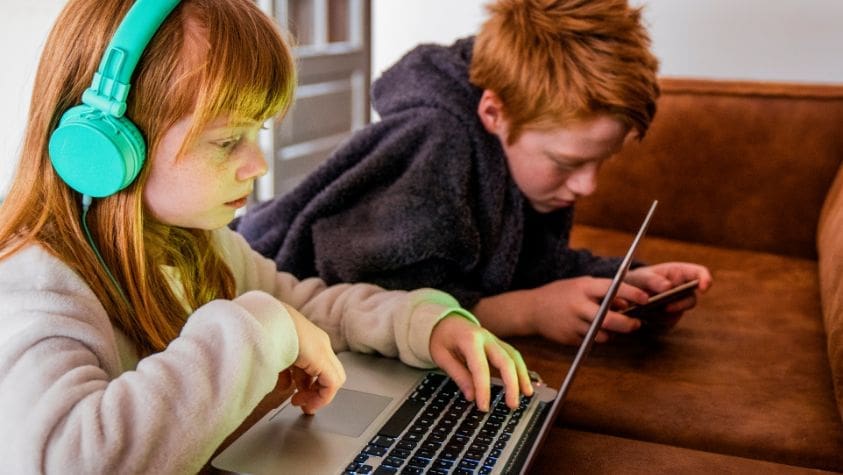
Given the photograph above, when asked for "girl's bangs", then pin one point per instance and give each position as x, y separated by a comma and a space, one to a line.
247, 79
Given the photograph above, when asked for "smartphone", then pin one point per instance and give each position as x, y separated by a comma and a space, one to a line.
657, 302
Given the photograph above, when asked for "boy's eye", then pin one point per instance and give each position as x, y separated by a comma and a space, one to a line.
565, 167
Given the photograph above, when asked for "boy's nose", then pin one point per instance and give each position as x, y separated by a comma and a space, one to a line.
583, 182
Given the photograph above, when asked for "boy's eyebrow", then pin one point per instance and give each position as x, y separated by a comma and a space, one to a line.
567, 159
572, 160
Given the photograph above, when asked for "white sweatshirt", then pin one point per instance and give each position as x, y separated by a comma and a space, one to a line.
74, 398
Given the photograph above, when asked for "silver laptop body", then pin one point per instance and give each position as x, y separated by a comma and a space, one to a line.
347, 436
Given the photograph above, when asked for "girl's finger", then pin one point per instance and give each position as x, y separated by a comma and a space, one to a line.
475, 358
521, 369
459, 373
500, 359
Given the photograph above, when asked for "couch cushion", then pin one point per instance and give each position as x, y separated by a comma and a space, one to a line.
572, 451
744, 374
830, 250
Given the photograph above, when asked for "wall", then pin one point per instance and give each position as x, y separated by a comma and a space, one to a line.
776, 40
23, 28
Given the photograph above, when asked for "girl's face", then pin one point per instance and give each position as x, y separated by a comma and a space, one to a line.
556, 167
204, 187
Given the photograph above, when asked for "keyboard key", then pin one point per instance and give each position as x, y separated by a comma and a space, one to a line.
412, 437
392, 462
375, 450
382, 441
412, 471
450, 453
401, 418
426, 453
400, 453
476, 455
385, 470
406, 444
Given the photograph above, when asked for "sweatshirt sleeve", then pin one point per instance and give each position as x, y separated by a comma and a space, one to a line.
358, 317
68, 406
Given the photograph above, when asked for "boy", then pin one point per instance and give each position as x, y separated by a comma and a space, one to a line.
469, 180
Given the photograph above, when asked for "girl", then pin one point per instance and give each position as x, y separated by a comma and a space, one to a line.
136, 330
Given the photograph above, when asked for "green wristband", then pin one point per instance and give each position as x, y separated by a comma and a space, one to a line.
461, 312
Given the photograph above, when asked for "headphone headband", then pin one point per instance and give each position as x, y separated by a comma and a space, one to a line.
110, 86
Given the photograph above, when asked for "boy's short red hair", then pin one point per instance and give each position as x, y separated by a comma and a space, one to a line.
554, 61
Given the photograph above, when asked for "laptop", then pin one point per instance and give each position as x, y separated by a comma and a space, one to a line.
391, 418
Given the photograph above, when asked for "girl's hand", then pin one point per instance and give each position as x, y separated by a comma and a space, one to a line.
464, 350
317, 372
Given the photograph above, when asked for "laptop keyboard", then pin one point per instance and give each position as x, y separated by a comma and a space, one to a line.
436, 430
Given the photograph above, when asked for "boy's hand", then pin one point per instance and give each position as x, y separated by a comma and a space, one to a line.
317, 371
564, 309
464, 350
661, 277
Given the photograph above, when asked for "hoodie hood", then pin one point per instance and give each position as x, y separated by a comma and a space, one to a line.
429, 76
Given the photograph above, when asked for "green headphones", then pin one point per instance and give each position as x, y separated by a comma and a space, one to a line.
95, 149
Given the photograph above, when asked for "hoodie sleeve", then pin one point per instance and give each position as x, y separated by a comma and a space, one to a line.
68, 405
359, 317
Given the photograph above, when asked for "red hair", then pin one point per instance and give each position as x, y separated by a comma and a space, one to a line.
554, 61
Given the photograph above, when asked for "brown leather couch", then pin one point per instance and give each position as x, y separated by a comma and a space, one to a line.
750, 184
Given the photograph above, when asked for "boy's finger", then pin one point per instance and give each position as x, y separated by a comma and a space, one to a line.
640, 296
620, 323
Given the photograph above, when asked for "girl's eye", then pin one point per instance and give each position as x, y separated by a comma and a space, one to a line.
227, 144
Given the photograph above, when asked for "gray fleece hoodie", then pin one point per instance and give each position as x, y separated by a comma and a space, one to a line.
422, 198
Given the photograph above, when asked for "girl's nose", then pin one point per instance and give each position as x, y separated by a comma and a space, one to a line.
254, 163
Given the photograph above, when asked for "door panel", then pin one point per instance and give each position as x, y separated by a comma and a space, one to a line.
332, 51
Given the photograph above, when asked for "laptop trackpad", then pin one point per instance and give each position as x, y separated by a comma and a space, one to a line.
350, 413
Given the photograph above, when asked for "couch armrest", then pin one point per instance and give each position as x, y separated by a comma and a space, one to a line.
735, 164
830, 250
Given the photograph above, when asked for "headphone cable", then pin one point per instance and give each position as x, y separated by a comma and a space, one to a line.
86, 203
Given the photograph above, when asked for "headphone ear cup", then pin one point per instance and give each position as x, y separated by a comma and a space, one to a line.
95, 153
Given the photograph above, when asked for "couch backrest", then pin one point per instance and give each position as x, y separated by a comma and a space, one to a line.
736, 164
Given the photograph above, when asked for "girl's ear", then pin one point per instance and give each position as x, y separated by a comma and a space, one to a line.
490, 111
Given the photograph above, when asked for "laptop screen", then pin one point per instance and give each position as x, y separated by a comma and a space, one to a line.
588, 340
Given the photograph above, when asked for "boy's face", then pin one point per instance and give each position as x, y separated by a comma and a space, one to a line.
204, 187
553, 168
